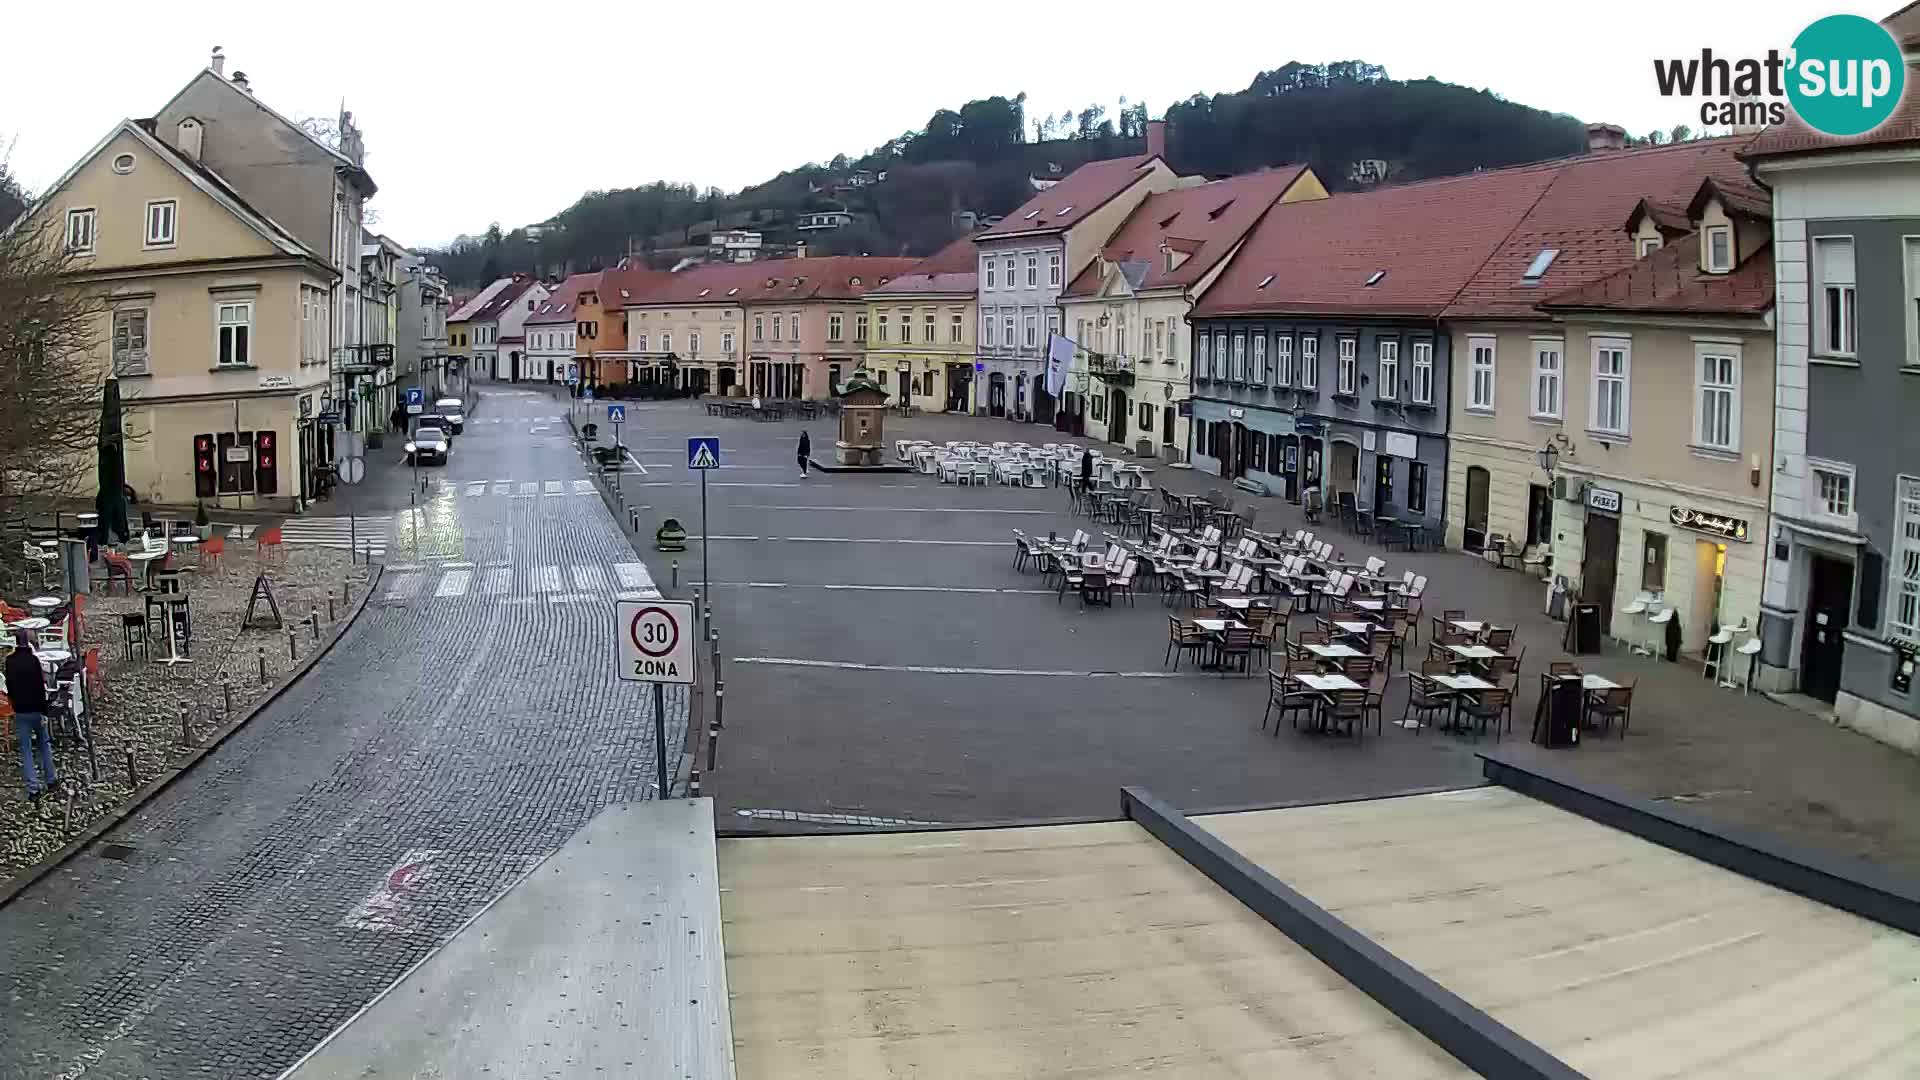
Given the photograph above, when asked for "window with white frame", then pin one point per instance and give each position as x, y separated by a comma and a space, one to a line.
666, 341
1006, 269
80, 231
1053, 324
1173, 340
1259, 374
776, 327
130, 341
1904, 621
1239, 370
1053, 268
1716, 416
1833, 295
1283, 360
1612, 394
1347, 369
693, 343
860, 329
1120, 339
986, 330
929, 328
640, 342
1222, 365
836, 325
1646, 245
235, 322
1006, 330
1203, 359
1830, 492
1423, 373
793, 326
1913, 300
906, 327
1480, 369
1389, 386
991, 270
1719, 241
759, 328
1310, 362
161, 214
1033, 331
313, 325
1033, 271
726, 343
1548, 363
956, 328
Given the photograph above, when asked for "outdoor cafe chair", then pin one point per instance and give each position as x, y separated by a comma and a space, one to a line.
1559, 668
1290, 697
1237, 641
1611, 705
1123, 582
1500, 638
1022, 550
1346, 708
1357, 668
1425, 698
1489, 707
1080, 539
1184, 637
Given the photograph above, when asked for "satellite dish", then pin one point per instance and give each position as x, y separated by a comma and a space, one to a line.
353, 470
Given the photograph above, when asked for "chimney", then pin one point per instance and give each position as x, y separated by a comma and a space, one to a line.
1606, 137
240, 80
219, 62
188, 139
1156, 138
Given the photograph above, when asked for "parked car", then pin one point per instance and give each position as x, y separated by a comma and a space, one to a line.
454, 411
430, 443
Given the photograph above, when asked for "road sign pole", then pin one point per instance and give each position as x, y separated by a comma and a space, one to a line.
660, 736
706, 545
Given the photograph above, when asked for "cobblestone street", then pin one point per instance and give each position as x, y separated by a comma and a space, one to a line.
462, 729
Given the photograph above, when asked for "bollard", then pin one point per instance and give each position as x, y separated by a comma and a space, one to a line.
719, 695
133, 774
693, 783
346, 592
676, 573
93, 760
293, 653
713, 743
186, 726
263, 665
696, 605
330, 612
226, 689
633, 519
66, 821
313, 620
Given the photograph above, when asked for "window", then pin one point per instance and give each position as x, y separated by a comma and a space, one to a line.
1283, 360
1913, 301
160, 221
1904, 623
1537, 269
1389, 386
130, 341
1833, 270
986, 330
1203, 360
80, 232
928, 331
1310, 363
1006, 326
956, 329
1611, 370
1719, 242
776, 327
1173, 340
1146, 417
1006, 270
236, 326
1546, 378
1053, 325
793, 327
1832, 491
759, 328
860, 329
835, 325
666, 341
1221, 368
1033, 271
1716, 420
313, 325
726, 343
1480, 373
1120, 339
1053, 268
1348, 371
1097, 407
1653, 567
1033, 331
990, 273
1259, 374
1423, 373
1417, 487
1646, 245
640, 342
693, 343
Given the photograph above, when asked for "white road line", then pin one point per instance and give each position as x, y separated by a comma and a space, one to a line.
583, 487
719, 536
892, 509
401, 586
928, 669
636, 463
454, 583
554, 487
546, 579
530, 487
497, 582
476, 489
885, 540
502, 487
633, 575
589, 578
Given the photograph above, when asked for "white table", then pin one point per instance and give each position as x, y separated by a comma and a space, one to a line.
1471, 626
44, 603
31, 622
1325, 683
1475, 652
1597, 682
1463, 682
1219, 626
1239, 603
54, 656
1334, 652
1370, 605
1358, 629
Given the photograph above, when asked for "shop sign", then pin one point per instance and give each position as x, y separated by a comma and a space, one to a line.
1729, 528
306, 405
1402, 445
1236, 414
275, 382
1605, 499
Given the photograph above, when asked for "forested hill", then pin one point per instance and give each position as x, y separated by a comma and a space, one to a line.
1349, 120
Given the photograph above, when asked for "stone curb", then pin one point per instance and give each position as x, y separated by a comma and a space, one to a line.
27, 877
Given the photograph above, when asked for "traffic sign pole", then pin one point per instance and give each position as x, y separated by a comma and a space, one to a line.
660, 737
706, 544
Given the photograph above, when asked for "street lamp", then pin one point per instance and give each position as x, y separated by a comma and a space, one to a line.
1547, 457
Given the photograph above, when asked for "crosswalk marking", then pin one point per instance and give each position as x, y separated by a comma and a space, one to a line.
633, 576
529, 487
367, 535
502, 487
497, 582
476, 489
554, 488
454, 583
546, 579
594, 582
589, 577
401, 586
583, 487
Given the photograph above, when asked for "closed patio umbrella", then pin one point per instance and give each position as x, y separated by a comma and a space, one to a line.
111, 501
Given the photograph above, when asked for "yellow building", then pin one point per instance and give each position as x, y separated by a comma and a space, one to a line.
214, 318
918, 331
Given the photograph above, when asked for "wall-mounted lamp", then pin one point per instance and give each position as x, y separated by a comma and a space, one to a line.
1753, 469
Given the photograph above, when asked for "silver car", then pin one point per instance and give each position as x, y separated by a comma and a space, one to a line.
429, 444
454, 412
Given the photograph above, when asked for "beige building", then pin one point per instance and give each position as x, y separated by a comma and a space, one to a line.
918, 330
215, 320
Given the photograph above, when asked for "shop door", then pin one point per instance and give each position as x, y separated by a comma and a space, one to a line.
1346, 470
1829, 592
1117, 417
1290, 467
1475, 538
1597, 563
996, 395
1539, 515
1382, 484
1168, 416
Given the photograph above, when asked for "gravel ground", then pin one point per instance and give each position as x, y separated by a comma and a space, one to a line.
138, 712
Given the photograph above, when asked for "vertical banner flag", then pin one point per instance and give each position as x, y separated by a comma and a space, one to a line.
1059, 355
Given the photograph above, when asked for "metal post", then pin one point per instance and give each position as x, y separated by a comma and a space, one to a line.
706, 577
133, 773
676, 573
226, 688
696, 605
66, 822
293, 654
93, 759
353, 539
660, 737
263, 665
713, 729
186, 726
330, 612
313, 620
719, 696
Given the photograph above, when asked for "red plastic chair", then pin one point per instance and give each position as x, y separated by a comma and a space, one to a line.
213, 551
118, 566
268, 544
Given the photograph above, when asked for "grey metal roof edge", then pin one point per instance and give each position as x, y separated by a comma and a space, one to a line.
1475, 1038
1848, 884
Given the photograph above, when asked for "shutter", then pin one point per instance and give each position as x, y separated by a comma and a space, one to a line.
1872, 570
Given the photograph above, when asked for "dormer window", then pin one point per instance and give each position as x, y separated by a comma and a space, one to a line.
856, 279
1537, 269
1264, 282
704, 292
1718, 252
1645, 246
1214, 214
734, 291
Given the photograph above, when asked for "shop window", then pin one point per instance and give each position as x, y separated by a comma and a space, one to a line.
1417, 487
1653, 567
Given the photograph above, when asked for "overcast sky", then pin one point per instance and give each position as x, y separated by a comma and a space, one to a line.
472, 117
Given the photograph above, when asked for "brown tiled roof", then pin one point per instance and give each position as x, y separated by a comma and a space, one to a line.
1068, 202
1205, 222
620, 287
1904, 25
1902, 128
1737, 202
1315, 257
1580, 215
503, 299
829, 277
561, 305
1669, 219
1670, 281
953, 269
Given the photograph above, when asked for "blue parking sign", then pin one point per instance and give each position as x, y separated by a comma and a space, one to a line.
616, 414
416, 395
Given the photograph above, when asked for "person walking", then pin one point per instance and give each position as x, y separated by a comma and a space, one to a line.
806, 449
27, 690
1086, 472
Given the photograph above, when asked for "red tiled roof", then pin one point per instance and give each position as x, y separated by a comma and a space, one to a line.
1669, 219
560, 306
620, 287
1795, 137
1737, 202
1067, 203
1580, 215
1315, 257
953, 269
503, 299
829, 277
1205, 222
1670, 281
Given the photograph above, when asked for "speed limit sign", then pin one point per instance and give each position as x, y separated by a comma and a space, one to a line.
656, 641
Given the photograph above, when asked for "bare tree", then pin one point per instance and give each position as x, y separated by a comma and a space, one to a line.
51, 371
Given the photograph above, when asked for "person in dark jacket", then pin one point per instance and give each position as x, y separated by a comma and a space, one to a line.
806, 448
1086, 471
27, 691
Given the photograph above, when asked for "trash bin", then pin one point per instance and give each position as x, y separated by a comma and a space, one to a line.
1556, 722
1583, 629
1557, 597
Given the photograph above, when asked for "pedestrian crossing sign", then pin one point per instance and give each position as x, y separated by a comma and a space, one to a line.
703, 452
616, 414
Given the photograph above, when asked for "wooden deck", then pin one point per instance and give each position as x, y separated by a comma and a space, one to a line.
1623, 958
1057, 951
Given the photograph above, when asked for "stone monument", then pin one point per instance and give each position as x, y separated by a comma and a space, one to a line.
863, 410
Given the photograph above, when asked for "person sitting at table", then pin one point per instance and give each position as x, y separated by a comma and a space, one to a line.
27, 691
